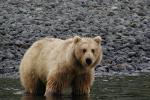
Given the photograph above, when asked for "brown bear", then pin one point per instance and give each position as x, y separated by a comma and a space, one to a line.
50, 65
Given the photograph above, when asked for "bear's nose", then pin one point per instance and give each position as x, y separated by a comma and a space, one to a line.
88, 61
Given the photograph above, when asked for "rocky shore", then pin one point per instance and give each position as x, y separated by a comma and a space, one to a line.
124, 26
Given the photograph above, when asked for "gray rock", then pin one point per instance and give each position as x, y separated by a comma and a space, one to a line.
129, 67
132, 54
145, 59
10, 55
123, 25
147, 35
143, 66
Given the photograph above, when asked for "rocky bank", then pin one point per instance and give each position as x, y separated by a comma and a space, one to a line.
124, 26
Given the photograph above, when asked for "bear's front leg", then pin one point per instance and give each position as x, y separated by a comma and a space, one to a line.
82, 83
55, 84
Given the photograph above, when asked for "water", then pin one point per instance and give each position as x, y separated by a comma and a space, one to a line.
104, 88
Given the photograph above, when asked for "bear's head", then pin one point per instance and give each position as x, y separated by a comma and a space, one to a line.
88, 51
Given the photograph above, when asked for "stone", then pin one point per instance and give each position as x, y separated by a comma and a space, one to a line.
123, 25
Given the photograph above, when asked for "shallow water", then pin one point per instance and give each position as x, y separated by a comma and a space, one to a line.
104, 88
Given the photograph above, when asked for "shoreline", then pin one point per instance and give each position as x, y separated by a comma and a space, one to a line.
123, 25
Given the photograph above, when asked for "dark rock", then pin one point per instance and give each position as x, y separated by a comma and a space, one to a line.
147, 35
132, 54
111, 14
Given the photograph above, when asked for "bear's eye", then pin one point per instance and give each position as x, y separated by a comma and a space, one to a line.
93, 50
84, 50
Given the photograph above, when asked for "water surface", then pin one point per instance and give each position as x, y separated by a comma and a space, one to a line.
104, 88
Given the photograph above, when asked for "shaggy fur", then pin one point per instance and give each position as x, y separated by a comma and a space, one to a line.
50, 65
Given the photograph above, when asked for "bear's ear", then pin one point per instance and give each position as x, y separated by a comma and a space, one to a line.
77, 39
98, 39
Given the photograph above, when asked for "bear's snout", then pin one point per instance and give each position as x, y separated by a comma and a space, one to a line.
88, 61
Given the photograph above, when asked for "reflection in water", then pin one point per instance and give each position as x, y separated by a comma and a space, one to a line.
55, 98
81, 98
32, 98
104, 88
